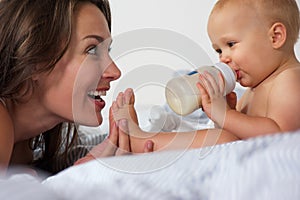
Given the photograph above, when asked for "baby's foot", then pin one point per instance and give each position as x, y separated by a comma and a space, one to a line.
123, 108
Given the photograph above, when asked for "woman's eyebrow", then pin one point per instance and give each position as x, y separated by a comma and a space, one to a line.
97, 37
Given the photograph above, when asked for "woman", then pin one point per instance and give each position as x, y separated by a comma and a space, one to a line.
55, 67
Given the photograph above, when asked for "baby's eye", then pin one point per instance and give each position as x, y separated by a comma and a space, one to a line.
231, 43
219, 51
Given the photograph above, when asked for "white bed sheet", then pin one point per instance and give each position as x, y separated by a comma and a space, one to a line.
261, 168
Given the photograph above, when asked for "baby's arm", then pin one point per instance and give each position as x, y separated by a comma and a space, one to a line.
279, 114
284, 99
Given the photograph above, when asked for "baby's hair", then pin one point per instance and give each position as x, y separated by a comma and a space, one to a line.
284, 11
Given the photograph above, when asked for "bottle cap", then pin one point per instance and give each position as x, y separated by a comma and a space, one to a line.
229, 76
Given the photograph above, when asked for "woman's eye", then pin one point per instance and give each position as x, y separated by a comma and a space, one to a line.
93, 50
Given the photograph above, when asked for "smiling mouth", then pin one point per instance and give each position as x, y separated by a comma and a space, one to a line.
97, 95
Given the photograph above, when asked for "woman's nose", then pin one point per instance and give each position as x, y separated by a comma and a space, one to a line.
112, 72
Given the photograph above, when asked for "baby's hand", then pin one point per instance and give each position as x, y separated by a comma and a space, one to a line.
231, 99
214, 103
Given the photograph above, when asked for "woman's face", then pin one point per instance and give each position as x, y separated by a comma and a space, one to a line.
73, 90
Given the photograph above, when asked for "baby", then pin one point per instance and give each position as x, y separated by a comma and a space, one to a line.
256, 39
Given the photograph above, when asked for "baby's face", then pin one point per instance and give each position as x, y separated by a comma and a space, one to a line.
242, 41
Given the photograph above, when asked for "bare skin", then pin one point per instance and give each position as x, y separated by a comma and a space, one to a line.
116, 144
261, 53
52, 99
265, 63
123, 108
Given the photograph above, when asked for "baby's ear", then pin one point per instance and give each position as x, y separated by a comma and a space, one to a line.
277, 35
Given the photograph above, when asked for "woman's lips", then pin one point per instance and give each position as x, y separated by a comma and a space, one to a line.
99, 104
96, 97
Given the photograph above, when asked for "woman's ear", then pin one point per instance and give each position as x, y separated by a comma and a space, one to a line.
35, 77
35, 74
277, 35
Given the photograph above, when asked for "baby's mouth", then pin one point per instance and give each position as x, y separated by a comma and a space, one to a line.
238, 76
97, 95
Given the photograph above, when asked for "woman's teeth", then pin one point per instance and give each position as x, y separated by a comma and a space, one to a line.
96, 94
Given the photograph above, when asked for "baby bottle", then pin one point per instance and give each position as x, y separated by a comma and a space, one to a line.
182, 94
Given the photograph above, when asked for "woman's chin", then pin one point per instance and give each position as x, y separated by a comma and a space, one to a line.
98, 121
90, 121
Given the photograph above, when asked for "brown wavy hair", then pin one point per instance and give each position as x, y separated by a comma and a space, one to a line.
36, 33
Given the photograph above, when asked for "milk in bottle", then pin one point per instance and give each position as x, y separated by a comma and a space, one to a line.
182, 94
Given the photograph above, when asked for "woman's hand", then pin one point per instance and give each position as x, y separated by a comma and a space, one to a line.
117, 143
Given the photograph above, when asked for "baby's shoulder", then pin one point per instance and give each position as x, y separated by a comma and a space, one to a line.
290, 75
293, 70
288, 82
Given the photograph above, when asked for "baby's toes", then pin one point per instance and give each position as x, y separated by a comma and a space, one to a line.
120, 100
118, 112
129, 96
115, 111
114, 107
